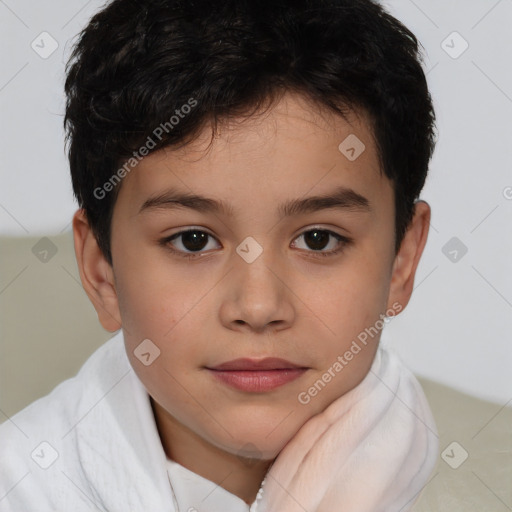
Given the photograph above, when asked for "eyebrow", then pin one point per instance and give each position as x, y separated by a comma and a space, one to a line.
341, 198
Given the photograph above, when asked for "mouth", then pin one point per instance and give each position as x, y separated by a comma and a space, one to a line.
257, 376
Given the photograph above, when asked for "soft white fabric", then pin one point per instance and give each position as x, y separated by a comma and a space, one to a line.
92, 444
371, 450
193, 492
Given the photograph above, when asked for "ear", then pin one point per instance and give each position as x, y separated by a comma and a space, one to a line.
96, 273
408, 257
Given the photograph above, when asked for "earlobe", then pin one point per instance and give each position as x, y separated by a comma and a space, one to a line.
96, 273
408, 257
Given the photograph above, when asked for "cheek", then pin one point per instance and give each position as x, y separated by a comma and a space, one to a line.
352, 296
348, 306
152, 295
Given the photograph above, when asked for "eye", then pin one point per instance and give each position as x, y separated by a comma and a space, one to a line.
191, 243
187, 243
317, 239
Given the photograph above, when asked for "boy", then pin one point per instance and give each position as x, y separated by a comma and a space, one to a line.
247, 175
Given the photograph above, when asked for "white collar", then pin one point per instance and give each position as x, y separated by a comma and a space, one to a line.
194, 492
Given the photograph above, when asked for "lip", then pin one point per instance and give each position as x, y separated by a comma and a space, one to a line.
246, 364
257, 376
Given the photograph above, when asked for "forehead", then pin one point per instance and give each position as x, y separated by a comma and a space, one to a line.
288, 151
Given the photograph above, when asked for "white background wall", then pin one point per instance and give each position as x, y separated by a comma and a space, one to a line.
456, 329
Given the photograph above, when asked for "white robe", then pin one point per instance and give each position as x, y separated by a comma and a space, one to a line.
92, 444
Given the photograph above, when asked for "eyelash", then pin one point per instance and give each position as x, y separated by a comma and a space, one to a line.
344, 242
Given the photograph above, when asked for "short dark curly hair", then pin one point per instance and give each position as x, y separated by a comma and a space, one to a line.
137, 64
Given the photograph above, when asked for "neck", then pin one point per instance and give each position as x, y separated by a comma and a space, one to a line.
239, 476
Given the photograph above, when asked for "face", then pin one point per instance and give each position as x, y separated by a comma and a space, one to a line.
263, 272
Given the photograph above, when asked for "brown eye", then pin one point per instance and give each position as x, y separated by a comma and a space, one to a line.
192, 240
316, 240
188, 242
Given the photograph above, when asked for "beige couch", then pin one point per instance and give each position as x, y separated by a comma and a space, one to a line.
48, 328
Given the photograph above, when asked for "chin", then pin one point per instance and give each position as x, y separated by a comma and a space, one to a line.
257, 443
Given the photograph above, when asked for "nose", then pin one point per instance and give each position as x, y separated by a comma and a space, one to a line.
259, 296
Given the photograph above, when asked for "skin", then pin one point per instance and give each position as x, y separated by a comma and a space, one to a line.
290, 302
